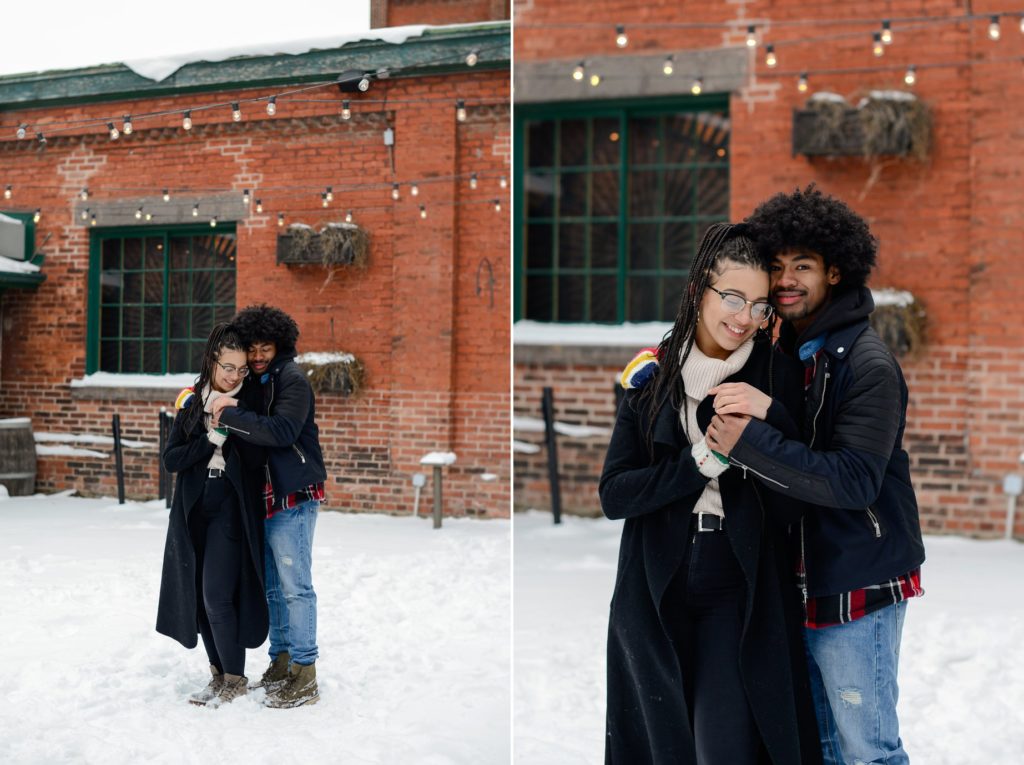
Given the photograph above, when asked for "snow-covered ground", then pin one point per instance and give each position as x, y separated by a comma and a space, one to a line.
414, 633
961, 664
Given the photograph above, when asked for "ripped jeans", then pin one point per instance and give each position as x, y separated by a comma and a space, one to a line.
853, 670
289, 582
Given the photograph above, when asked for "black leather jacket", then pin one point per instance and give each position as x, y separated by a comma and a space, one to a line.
850, 465
287, 426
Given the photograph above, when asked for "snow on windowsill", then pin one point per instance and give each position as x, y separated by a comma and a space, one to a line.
42, 450
317, 359
12, 266
84, 438
639, 335
112, 380
438, 458
536, 425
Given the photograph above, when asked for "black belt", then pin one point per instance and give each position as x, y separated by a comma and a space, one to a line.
708, 522
214, 473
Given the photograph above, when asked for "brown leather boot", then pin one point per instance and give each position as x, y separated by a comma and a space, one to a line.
300, 689
203, 697
276, 675
233, 687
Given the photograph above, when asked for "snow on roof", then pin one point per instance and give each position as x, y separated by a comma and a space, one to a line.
826, 95
85, 438
438, 458
12, 266
112, 380
11, 422
887, 296
158, 69
630, 335
43, 450
319, 359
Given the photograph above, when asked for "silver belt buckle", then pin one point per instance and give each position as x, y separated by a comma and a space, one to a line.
700, 521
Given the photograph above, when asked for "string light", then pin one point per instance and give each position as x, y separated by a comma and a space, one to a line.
472, 57
213, 222
348, 217
280, 219
503, 182
323, 199
272, 106
667, 68
1022, 24
621, 39
37, 215
769, 57
876, 45
138, 213
330, 193
8, 191
259, 205
149, 216
579, 71
460, 110
414, 190
114, 133
41, 138
22, 131
993, 28
698, 86
473, 180
85, 214
423, 211
886, 32
395, 193
84, 194
127, 129
751, 36
346, 110
595, 80
92, 219
497, 205
167, 195
236, 112
186, 120
802, 83
246, 197
911, 76
195, 210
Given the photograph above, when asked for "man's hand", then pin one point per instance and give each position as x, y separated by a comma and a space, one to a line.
724, 431
218, 405
740, 398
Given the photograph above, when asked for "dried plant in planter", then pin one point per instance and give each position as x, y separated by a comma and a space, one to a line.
333, 372
899, 320
338, 244
895, 122
831, 126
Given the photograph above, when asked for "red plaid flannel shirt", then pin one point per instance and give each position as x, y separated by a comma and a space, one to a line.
313, 491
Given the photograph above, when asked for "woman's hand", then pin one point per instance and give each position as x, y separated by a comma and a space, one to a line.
219, 405
740, 398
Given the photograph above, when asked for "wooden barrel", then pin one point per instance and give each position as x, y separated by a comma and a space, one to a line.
17, 456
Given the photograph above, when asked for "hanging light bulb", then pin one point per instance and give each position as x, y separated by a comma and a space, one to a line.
414, 190
138, 213
423, 211
1022, 24
41, 138
149, 215
84, 194
579, 71
621, 39
348, 217
330, 193
246, 197
472, 57
503, 182
323, 199
186, 120
37, 215
473, 180
876, 45
346, 110
21, 132
236, 112
911, 76
802, 83
167, 195
497, 205
751, 36
669, 66
195, 210
886, 32
395, 194
92, 219
698, 86
280, 219
114, 132
8, 191
85, 214
769, 57
595, 80
259, 205
127, 129
213, 222
272, 106
993, 28
460, 110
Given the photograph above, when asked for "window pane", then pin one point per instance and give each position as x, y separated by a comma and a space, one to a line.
643, 246
603, 298
154, 287
195, 355
132, 253
604, 245
179, 321
152, 361
180, 252
644, 142
110, 321
644, 198
713, 191
572, 251
180, 287
133, 287
570, 298
177, 360
679, 245
574, 143
154, 255
224, 287
131, 321
604, 193
679, 141
202, 322
108, 356
643, 299
573, 199
224, 312
203, 253
131, 357
606, 141
539, 245
110, 287
712, 137
672, 288
111, 257
540, 140
538, 298
679, 191
202, 287
153, 318
540, 195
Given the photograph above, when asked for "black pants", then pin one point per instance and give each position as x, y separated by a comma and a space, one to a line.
709, 594
216, 529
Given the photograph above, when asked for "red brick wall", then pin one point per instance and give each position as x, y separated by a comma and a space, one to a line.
401, 12
950, 227
406, 316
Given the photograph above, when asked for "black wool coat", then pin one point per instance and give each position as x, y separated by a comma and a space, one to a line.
648, 718
188, 454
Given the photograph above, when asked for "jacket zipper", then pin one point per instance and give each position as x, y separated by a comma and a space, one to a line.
301, 455
803, 563
821, 404
762, 476
875, 523
230, 427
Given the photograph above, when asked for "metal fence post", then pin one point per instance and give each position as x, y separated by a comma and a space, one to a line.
118, 458
548, 408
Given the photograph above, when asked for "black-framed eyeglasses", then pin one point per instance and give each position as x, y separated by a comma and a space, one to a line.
232, 369
759, 311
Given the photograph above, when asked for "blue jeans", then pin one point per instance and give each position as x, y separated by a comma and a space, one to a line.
853, 670
289, 582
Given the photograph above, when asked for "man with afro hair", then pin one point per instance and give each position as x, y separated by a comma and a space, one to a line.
286, 425
859, 542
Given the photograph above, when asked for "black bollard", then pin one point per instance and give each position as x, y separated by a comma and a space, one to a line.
548, 408
118, 459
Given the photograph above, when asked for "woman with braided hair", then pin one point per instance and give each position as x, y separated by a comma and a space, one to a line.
212, 579
705, 663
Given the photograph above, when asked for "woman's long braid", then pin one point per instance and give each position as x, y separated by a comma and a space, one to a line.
222, 336
675, 347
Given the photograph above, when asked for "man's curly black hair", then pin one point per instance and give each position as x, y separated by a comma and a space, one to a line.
809, 221
266, 324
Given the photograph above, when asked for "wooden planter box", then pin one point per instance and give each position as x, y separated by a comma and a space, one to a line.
814, 136
331, 247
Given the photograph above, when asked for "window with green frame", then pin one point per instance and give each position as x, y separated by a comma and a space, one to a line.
154, 296
614, 199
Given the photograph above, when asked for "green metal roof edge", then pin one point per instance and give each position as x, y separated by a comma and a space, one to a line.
21, 281
416, 57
